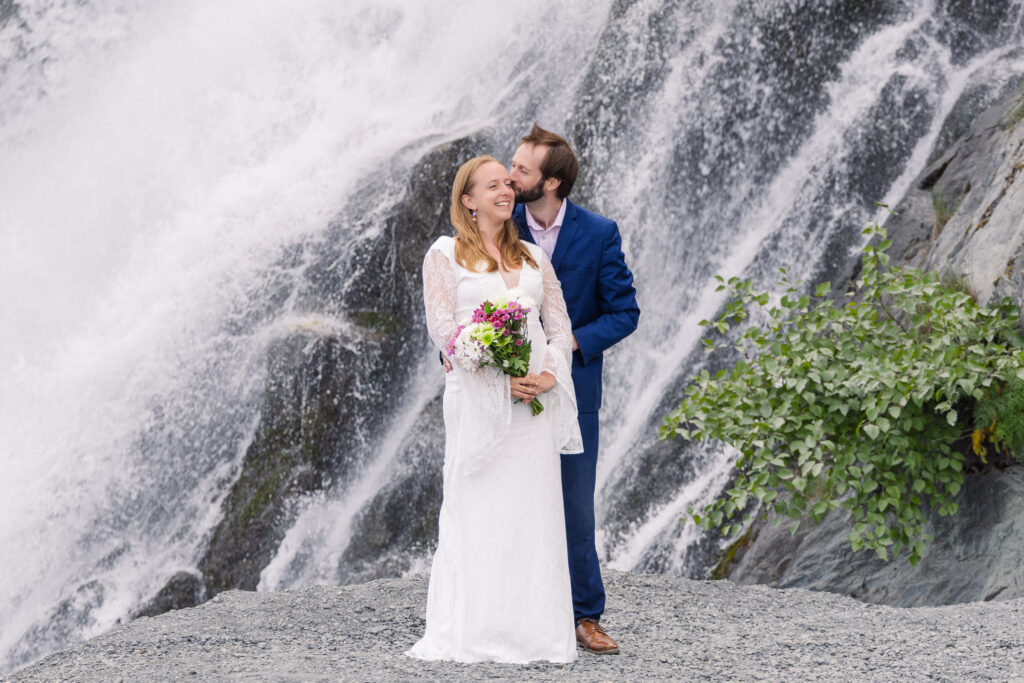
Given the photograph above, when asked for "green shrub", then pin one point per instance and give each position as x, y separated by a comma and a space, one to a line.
999, 420
861, 396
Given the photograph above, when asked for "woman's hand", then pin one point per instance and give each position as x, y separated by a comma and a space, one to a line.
529, 387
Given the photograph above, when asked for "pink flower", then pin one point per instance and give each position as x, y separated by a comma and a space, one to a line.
519, 342
450, 347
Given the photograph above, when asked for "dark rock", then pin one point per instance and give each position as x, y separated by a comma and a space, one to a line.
976, 554
309, 418
184, 589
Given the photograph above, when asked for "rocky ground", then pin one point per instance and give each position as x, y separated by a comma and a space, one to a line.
669, 628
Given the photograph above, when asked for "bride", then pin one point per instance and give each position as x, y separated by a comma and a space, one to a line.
499, 584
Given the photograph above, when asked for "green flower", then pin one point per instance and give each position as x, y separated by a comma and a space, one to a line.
484, 334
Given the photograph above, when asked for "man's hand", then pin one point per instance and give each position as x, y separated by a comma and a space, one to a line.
529, 387
575, 344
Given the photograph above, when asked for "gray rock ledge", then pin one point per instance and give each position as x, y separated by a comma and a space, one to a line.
669, 628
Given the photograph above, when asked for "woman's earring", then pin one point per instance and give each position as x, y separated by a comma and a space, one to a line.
474, 216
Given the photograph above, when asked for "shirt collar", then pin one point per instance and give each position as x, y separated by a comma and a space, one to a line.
535, 226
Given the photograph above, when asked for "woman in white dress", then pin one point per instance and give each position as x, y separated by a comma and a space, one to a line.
499, 584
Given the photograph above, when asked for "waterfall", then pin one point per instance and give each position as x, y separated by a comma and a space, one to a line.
787, 178
187, 184
165, 168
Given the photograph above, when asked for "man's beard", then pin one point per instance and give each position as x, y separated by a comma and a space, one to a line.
530, 195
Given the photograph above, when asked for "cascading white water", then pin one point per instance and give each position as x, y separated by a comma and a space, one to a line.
789, 218
155, 161
161, 165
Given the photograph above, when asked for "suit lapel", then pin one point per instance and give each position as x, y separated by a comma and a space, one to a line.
566, 234
519, 218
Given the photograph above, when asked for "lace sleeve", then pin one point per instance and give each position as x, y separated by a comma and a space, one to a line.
557, 327
561, 400
439, 297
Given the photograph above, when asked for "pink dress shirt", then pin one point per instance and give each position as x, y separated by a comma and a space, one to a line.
546, 239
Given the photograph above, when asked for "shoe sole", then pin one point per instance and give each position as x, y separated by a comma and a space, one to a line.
599, 652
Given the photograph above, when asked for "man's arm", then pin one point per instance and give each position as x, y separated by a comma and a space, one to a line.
619, 310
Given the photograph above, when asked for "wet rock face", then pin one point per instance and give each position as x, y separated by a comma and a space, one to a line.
328, 390
771, 64
734, 96
961, 218
399, 525
310, 417
976, 554
975, 23
185, 589
8, 11
60, 625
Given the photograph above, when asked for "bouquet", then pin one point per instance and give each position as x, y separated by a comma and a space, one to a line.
496, 337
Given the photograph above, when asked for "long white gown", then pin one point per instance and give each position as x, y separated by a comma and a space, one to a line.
499, 584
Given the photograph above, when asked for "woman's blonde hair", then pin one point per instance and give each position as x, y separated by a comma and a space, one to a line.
469, 245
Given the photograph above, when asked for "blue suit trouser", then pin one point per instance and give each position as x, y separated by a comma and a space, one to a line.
579, 475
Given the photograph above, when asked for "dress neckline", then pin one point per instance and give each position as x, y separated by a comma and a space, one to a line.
519, 280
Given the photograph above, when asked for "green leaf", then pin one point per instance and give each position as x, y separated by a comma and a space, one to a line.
819, 384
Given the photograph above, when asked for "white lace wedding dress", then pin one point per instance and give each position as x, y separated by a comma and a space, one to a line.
499, 583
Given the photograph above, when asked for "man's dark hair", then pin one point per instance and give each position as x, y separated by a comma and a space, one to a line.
560, 161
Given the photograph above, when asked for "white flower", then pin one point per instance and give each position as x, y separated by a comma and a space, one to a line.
468, 352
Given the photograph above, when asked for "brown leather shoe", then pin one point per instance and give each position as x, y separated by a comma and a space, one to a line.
590, 635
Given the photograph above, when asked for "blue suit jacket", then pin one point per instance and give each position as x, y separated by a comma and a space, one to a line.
598, 291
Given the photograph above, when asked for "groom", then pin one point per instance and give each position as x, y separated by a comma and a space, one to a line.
586, 252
